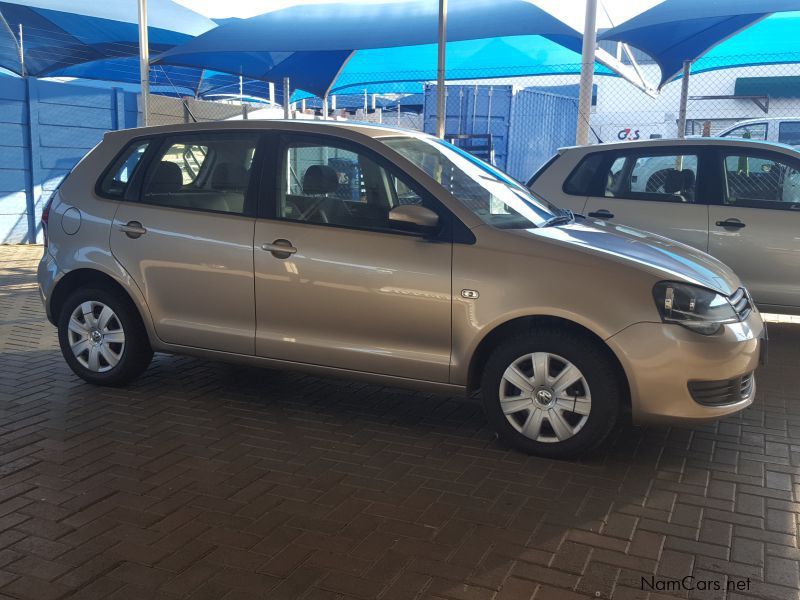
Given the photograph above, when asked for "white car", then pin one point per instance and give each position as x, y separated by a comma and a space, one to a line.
737, 199
783, 131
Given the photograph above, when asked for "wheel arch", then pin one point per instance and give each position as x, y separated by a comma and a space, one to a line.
84, 277
516, 325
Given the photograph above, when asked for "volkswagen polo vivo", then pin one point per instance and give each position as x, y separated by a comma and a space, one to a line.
364, 251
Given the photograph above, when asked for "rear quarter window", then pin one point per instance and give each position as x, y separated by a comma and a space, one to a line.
116, 179
579, 182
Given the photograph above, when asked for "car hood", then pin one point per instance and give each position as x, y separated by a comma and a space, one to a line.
666, 257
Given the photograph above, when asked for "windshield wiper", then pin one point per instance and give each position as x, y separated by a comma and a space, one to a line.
563, 219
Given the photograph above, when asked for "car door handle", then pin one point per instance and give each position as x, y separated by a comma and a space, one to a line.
133, 229
602, 214
280, 248
731, 224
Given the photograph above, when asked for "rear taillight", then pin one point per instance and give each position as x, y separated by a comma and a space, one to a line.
46, 218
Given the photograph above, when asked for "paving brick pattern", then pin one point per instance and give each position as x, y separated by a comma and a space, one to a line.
207, 481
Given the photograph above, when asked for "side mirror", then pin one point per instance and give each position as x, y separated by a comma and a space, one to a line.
414, 214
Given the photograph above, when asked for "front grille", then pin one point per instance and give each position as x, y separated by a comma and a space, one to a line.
720, 393
740, 300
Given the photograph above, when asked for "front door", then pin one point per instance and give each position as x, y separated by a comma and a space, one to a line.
756, 228
653, 191
188, 242
352, 290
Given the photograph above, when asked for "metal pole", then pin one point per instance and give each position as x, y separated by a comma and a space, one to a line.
325, 107
144, 62
587, 73
286, 98
440, 70
21, 52
687, 67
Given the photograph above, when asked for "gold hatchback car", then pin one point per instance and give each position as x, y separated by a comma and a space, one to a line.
363, 251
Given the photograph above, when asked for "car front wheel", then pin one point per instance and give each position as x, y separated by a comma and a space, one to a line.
552, 393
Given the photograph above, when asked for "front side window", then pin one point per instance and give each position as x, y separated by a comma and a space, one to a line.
753, 131
789, 133
202, 172
116, 179
338, 185
494, 197
660, 178
761, 182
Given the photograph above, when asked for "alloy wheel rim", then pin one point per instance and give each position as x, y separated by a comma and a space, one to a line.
96, 336
545, 397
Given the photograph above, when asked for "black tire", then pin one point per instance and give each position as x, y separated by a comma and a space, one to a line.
599, 372
135, 355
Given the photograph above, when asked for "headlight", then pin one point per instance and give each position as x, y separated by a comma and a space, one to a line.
695, 308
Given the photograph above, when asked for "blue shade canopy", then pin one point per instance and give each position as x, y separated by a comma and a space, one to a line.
679, 30
514, 56
770, 41
92, 30
312, 43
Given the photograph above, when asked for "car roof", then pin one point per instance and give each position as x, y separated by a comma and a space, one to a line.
688, 142
373, 130
764, 120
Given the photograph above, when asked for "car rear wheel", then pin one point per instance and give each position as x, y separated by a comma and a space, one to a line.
551, 393
102, 337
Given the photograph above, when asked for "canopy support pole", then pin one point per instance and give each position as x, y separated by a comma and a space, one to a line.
687, 67
325, 107
441, 93
286, 98
587, 73
21, 52
144, 62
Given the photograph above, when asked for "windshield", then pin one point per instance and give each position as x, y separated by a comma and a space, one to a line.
493, 196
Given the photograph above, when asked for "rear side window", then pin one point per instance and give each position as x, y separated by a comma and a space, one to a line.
789, 133
660, 178
209, 172
119, 175
579, 182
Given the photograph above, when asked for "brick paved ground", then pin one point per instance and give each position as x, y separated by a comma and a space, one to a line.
207, 481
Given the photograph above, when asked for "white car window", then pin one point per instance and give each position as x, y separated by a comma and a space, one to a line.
753, 131
761, 182
789, 133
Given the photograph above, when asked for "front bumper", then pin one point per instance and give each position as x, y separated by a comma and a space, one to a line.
661, 359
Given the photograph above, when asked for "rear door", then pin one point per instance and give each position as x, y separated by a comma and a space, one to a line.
661, 190
186, 239
755, 227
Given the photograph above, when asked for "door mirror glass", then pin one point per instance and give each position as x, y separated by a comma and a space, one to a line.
414, 214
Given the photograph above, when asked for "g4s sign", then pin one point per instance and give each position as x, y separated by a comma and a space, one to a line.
628, 134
